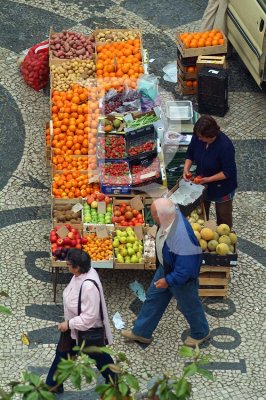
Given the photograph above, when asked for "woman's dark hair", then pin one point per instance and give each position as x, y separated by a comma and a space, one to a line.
206, 126
79, 258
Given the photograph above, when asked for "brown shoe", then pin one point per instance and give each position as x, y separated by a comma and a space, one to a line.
193, 342
129, 335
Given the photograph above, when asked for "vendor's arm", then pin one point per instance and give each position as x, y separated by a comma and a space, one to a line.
187, 166
220, 176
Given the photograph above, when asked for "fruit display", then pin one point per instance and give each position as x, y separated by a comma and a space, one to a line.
71, 163
127, 248
60, 246
142, 173
115, 173
47, 136
125, 215
123, 101
63, 213
75, 120
141, 146
108, 36
72, 184
149, 248
111, 147
91, 213
68, 45
65, 75
213, 37
191, 83
112, 124
99, 249
120, 63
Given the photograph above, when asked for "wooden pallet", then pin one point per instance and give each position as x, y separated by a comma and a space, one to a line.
214, 281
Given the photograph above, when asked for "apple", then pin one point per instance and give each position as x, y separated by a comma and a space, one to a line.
100, 197
122, 239
74, 243
70, 235
94, 204
90, 199
59, 241
84, 240
128, 215
74, 231
135, 213
66, 241
107, 199
53, 238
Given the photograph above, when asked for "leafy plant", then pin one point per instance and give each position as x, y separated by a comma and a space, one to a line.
124, 386
170, 387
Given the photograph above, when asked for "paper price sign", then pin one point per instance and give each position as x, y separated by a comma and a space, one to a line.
101, 231
62, 232
136, 203
94, 178
148, 175
153, 230
101, 207
139, 232
77, 207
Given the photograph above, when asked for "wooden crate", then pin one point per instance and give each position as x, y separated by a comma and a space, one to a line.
207, 50
214, 281
183, 71
186, 90
211, 61
114, 33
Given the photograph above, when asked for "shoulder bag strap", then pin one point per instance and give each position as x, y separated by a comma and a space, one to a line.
79, 300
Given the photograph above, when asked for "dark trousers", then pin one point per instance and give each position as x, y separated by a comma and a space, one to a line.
100, 358
224, 212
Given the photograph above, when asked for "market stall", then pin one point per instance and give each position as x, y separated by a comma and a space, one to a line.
110, 151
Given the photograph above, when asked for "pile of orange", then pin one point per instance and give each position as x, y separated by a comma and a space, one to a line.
98, 248
75, 116
72, 184
191, 83
47, 136
74, 163
119, 63
202, 39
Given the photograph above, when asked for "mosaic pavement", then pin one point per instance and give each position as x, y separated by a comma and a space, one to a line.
238, 325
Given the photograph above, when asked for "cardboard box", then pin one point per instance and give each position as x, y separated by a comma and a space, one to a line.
188, 208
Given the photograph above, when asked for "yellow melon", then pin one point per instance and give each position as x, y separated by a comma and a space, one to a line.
207, 234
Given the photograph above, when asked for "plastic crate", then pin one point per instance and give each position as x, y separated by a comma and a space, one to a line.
151, 171
138, 139
114, 187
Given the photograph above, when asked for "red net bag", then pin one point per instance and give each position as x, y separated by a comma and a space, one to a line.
35, 66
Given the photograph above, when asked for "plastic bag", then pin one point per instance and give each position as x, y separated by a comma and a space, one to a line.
148, 90
170, 71
172, 138
35, 67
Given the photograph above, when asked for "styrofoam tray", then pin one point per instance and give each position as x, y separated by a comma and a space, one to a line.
179, 110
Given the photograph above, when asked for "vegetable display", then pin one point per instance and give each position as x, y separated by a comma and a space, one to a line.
142, 147
125, 215
142, 121
99, 249
141, 173
72, 71
67, 45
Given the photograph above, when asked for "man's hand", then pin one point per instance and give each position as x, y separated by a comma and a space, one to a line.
161, 284
63, 327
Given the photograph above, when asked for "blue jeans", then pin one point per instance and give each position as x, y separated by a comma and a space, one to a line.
157, 301
100, 358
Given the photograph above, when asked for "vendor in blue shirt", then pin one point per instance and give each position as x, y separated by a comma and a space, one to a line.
213, 154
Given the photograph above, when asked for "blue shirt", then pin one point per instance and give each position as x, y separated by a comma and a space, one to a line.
219, 156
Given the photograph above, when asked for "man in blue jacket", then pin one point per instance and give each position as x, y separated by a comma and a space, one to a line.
179, 258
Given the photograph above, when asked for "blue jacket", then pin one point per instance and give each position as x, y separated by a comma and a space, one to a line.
219, 156
181, 253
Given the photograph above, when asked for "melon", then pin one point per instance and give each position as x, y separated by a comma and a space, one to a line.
207, 234
222, 249
223, 229
233, 237
203, 244
224, 239
196, 226
215, 236
197, 234
212, 244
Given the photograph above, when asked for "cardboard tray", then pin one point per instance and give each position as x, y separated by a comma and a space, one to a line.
187, 209
207, 50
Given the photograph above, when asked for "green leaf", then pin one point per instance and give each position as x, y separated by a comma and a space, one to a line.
91, 349
5, 310
109, 394
106, 350
190, 370
186, 352
113, 367
123, 388
75, 378
4, 294
23, 388
32, 396
76, 348
122, 357
34, 379
182, 388
131, 381
4, 395
207, 374
47, 395
102, 388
